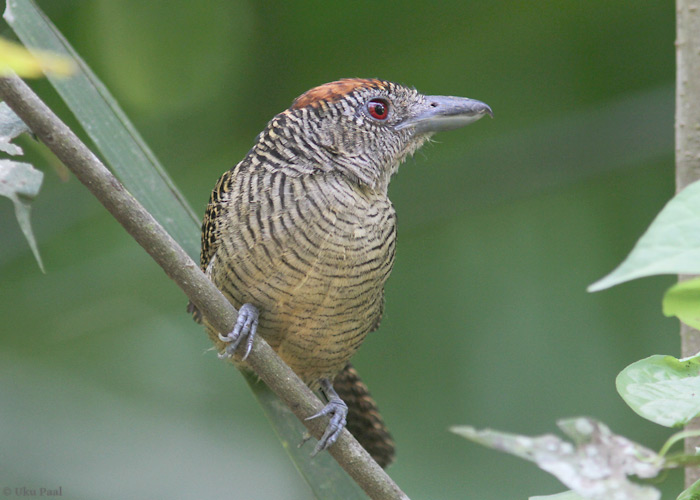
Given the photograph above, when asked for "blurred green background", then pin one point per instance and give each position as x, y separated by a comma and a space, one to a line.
108, 388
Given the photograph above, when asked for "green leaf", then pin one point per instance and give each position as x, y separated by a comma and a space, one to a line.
595, 468
109, 128
662, 389
692, 493
683, 300
138, 169
671, 244
21, 182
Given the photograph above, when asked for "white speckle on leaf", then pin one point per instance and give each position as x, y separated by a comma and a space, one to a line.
596, 468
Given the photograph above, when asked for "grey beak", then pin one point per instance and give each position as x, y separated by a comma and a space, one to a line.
446, 113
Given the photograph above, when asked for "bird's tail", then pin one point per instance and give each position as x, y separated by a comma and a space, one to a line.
363, 420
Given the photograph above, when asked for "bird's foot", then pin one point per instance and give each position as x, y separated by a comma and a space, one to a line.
246, 326
338, 412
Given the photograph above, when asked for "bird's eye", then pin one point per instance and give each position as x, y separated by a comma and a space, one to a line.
378, 109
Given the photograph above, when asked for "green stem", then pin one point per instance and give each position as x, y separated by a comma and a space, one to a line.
678, 436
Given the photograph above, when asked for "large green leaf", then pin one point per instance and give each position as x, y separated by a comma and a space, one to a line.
662, 389
671, 245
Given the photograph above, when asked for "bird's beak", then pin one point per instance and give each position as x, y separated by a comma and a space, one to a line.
445, 113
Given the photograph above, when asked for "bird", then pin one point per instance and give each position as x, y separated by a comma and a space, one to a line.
300, 236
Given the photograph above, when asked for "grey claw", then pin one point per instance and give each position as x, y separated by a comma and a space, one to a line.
246, 326
338, 411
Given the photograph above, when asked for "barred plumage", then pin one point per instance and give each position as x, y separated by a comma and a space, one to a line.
303, 230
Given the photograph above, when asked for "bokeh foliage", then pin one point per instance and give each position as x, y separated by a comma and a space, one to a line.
501, 227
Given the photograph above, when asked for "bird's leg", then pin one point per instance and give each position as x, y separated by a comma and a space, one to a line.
337, 410
246, 326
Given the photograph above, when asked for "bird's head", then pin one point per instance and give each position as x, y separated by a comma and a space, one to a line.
365, 128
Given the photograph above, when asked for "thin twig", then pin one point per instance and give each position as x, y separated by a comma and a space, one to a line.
187, 275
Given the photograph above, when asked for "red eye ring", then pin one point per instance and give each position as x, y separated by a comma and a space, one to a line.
378, 109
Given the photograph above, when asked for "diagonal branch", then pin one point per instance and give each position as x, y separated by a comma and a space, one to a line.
187, 275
